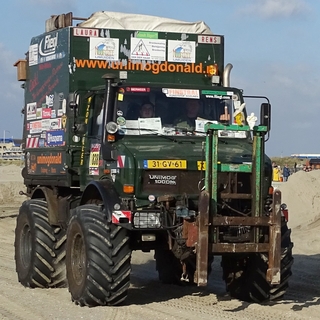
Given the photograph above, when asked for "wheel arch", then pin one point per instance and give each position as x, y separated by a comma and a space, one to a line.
104, 191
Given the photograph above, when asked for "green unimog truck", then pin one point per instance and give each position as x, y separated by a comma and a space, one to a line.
187, 180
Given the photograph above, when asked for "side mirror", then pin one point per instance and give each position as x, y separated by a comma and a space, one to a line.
265, 115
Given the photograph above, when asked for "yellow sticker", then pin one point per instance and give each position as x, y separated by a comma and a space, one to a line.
120, 96
201, 165
94, 160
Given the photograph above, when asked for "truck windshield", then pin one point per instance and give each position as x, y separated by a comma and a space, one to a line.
172, 111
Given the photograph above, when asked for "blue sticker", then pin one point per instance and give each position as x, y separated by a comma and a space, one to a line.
55, 138
145, 164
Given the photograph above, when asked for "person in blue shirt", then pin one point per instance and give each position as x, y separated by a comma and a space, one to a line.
285, 173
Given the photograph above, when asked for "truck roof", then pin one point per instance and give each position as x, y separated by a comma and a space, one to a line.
129, 21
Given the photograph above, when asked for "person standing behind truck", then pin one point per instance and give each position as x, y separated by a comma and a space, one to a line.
275, 172
285, 173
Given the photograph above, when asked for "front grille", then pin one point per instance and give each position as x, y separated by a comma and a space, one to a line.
171, 181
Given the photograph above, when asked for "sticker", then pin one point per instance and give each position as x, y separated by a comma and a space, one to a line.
220, 93
148, 49
32, 111
181, 93
41, 143
209, 39
39, 113
120, 96
147, 34
119, 113
121, 161
55, 138
33, 54
181, 51
36, 127
209, 96
93, 171
201, 165
117, 215
64, 121
46, 113
32, 142
121, 121
55, 124
60, 112
104, 49
50, 100
85, 32
94, 159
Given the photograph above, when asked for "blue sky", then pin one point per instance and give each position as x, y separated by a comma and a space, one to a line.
272, 44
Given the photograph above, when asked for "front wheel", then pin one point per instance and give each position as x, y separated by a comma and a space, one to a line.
98, 258
245, 276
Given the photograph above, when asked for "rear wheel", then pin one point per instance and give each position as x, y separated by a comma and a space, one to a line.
39, 247
245, 277
98, 258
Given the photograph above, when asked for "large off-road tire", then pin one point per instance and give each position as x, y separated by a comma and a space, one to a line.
97, 259
245, 277
39, 247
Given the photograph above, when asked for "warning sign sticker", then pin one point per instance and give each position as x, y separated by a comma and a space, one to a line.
148, 49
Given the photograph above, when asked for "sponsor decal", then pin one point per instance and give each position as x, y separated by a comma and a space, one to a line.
94, 159
55, 138
33, 54
36, 127
153, 67
32, 111
181, 93
46, 113
104, 49
85, 32
218, 93
50, 100
181, 51
148, 49
209, 39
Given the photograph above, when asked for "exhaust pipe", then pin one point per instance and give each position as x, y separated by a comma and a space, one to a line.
226, 75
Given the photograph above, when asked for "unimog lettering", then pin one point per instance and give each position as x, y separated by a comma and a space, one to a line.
160, 179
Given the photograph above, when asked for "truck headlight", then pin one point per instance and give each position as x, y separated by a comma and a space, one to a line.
144, 220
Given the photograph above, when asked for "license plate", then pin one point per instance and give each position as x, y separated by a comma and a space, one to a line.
165, 164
